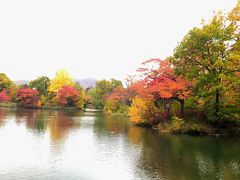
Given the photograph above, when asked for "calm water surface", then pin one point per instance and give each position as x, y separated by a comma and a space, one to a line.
37, 144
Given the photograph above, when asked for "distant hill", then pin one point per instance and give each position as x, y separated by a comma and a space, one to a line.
21, 82
86, 83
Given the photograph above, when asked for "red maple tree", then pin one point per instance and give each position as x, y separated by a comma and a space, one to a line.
4, 97
28, 97
67, 96
161, 82
126, 95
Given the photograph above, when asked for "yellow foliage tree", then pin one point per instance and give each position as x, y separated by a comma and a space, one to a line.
5, 82
143, 112
13, 91
62, 78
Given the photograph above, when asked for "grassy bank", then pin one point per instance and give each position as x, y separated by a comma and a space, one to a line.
8, 104
196, 127
14, 105
116, 114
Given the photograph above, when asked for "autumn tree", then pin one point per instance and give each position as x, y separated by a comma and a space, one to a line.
28, 97
5, 82
82, 92
210, 55
41, 84
143, 112
117, 101
118, 94
120, 99
102, 89
234, 17
162, 84
68, 96
4, 97
61, 79
12, 91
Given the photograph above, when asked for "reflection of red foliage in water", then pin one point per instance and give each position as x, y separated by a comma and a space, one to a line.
4, 97
3, 115
60, 125
28, 97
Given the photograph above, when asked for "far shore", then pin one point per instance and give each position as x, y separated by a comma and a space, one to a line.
15, 106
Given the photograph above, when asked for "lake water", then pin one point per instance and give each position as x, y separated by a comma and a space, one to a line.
41, 144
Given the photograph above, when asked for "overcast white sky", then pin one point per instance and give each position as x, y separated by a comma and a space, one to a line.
94, 38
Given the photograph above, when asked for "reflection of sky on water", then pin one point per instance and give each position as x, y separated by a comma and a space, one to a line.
73, 145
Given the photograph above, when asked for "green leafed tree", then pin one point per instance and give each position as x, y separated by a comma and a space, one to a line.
209, 54
116, 83
41, 84
102, 89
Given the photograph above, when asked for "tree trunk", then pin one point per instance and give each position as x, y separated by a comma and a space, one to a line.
182, 107
164, 104
217, 102
168, 108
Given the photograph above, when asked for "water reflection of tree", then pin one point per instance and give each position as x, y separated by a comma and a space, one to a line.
61, 123
174, 157
4, 114
111, 124
57, 123
183, 157
33, 119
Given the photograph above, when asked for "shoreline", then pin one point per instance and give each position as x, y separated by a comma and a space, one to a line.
205, 129
198, 128
229, 129
15, 106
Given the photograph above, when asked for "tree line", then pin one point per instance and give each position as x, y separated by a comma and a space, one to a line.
200, 80
60, 92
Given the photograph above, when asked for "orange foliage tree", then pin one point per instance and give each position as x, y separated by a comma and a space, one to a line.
124, 95
156, 84
120, 99
158, 81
